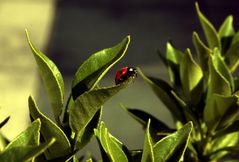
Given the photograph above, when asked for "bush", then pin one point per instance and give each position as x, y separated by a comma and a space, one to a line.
205, 93
202, 97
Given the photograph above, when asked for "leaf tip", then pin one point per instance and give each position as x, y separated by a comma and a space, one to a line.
195, 34
27, 35
148, 125
197, 7
31, 99
128, 37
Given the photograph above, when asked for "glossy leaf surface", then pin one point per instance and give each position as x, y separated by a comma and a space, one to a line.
232, 54
173, 58
24, 153
87, 104
49, 130
217, 83
215, 109
31, 136
172, 147
96, 66
52, 79
226, 29
110, 144
191, 76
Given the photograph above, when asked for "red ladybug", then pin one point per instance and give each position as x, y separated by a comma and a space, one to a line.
124, 73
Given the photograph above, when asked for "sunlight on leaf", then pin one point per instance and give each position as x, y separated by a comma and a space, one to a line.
52, 79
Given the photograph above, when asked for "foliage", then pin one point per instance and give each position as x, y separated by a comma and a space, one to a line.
77, 120
170, 148
26, 146
202, 97
204, 92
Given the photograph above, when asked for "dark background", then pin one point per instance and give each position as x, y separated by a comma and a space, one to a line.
83, 27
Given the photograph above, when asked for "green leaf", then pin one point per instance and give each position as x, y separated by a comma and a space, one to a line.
94, 68
3, 142
222, 68
4, 122
189, 114
191, 76
148, 152
89, 160
230, 151
235, 38
230, 116
216, 108
236, 83
226, 29
49, 130
172, 54
163, 91
75, 159
173, 58
172, 147
24, 153
226, 33
232, 55
209, 30
52, 79
158, 129
87, 104
229, 140
143, 118
203, 53
217, 82
230, 129
31, 136
112, 147
84, 135
104, 155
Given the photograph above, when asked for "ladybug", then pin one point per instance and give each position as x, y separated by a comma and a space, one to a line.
124, 73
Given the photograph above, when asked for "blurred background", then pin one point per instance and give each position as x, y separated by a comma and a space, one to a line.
69, 31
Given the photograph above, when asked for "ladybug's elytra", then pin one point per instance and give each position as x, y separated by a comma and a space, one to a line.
124, 73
